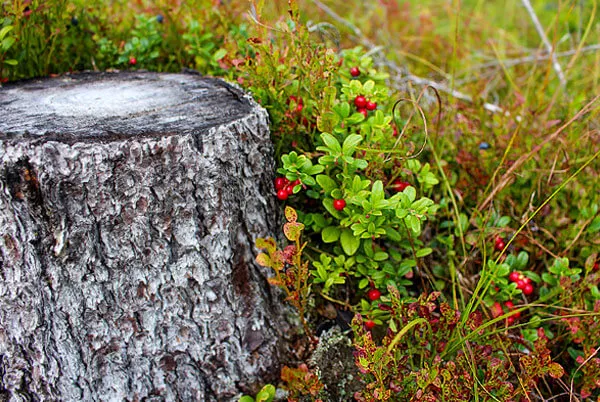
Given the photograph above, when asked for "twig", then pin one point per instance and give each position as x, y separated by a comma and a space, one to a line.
540, 30
406, 76
530, 59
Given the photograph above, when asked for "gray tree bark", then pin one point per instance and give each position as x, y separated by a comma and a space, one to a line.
129, 206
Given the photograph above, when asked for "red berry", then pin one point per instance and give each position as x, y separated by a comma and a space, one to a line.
596, 266
527, 289
4, 80
521, 284
514, 276
133, 61
289, 189
526, 279
371, 105
363, 111
360, 102
354, 71
499, 244
299, 107
509, 304
510, 320
373, 294
395, 133
496, 310
399, 185
370, 324
282, 194
339, 204
281, 182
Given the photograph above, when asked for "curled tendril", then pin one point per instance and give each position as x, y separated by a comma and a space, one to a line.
422, 114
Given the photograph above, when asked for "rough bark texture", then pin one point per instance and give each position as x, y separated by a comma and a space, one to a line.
129, 204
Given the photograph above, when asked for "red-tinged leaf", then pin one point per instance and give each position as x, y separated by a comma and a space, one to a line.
555, 370
268, 244
292, 230
263, 260
274, 281
290, 214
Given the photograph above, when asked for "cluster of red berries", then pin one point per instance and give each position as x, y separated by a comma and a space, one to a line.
499, 244
363, 105
523, 282
284, 187
497, 311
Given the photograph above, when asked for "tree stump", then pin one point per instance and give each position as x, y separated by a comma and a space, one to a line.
129, 206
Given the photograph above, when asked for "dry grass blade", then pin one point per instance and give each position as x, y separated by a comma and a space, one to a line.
547, 44
507, 177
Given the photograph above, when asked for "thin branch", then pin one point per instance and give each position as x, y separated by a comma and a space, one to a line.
406, 76
540, 30
531, 59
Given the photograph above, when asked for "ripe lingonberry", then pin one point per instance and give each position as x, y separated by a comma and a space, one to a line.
282, 194
521, 284
360, 102
373, 294
496, 310
527, 289
299, 107
509, 304
363, 111
370, 324
399, 185
514, 276
281, 182
354, 71
339, 204
499, 244
133, 61
371, 105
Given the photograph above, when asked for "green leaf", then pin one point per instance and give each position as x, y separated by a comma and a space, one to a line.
331, 142
355, 118
7, 43
392, 234
326, 183
377, 193
423, 252
411, 192
349, 243
350, 144
11, 62
4, 31
328, 204
266, 394
246, 398
380, 256
522, 260
330, 234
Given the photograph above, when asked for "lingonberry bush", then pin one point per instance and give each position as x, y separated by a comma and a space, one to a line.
462, 235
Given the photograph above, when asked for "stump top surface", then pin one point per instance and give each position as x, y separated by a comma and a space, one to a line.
97, 106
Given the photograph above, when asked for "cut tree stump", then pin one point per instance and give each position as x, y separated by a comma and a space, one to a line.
129, 206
